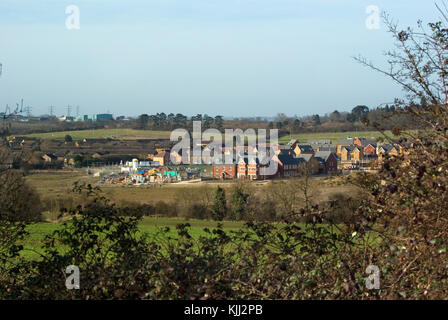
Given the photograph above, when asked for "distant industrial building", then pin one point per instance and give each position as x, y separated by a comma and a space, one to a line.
95, 117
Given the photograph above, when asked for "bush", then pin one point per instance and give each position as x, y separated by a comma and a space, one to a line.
18, 201
198, 211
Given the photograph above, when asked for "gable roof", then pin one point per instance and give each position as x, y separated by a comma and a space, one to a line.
288, 159
50, 155
248, 160
306, 148
323, 155
365, 142
351, 148
291, 143
387, 147
285, 151
306, 157
161, 154
331, 148
319, 141
370, 144
345, 142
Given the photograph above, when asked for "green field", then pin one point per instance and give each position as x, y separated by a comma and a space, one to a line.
333, 136
32, 244
131, 134
120, 134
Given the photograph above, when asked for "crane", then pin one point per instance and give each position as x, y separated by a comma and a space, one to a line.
8, 114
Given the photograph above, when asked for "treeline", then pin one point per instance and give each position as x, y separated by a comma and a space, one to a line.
360, 118
337, 121
162, 121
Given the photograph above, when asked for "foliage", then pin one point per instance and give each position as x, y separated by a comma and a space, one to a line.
238, 203
219, 208
317, 252
104, 244
18, 202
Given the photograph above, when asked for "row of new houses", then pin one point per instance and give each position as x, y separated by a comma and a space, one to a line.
318, 157
288, 165
315, 157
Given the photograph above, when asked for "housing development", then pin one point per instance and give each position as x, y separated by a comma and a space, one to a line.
224, 154
150, 161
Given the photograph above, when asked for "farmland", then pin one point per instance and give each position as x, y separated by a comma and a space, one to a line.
37, 231
333, 136
132, 134
120, 134
53, 185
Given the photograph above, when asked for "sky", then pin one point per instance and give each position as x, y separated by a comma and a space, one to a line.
236, 58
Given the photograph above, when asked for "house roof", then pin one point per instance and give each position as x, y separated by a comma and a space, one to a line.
370, 144
345, 142
289, 159
50, 155
319, 141
387, 147
351, 148
161, 154
306, 148
365, 142
306, 157
291, 143
323, 155
286, 151
329, 148
247, 160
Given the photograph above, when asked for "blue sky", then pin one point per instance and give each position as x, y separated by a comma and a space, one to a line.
228, 57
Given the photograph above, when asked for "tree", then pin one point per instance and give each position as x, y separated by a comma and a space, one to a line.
180, 120
143, 121
296, 126
197, 117
207, 121
316, 119
407, 198
219, 122
281, 117
78, 161
238, 202
219, 208
359, 113
335, 116
19, 202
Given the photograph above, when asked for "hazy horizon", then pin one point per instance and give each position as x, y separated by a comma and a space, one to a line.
233, 58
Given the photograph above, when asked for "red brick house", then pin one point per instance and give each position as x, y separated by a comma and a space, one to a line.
328, 162
224, 171
363, 142
288, 165
370, 150
248, 169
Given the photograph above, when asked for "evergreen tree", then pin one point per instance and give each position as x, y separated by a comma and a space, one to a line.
219, 208
238, 202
